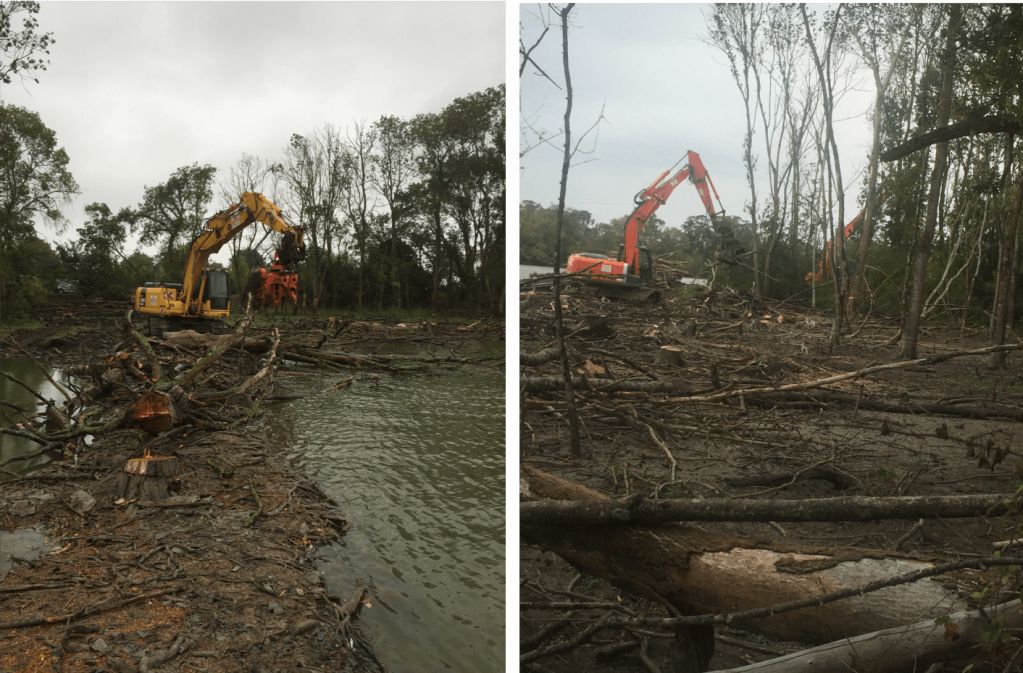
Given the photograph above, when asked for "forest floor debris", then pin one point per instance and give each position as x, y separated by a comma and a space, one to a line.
215, 569
712, 420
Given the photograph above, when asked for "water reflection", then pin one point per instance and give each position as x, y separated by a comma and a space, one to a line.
17, 403
417, 464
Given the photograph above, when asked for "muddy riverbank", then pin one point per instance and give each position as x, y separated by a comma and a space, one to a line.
226, 571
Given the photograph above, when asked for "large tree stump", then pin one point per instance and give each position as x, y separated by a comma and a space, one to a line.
147, 479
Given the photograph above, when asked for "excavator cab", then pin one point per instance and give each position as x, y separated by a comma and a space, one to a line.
215, 290
646, 266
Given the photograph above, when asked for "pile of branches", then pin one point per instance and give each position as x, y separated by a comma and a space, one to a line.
178, 381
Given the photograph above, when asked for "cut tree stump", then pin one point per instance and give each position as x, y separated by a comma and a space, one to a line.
700, 572
671, 355
147, 479
153, 412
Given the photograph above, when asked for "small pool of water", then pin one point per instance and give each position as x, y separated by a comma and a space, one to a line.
21, 545
16, 403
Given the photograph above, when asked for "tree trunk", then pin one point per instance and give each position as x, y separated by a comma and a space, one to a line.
914, 307
573, 416
867, 227
1006, 279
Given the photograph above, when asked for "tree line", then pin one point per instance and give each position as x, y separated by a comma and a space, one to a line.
398, 213
942, 189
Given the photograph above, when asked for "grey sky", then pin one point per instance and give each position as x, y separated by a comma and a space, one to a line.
137, 89
664, 91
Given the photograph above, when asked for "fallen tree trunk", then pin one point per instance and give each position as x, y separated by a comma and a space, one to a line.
903, 648
545, 384
852, 508
818, 398
540, 357
697, 572
540, 384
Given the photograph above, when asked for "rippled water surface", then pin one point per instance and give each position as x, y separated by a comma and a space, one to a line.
417, 463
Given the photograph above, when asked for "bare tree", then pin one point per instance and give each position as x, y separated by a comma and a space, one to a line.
249, 174
573, 415
735, 31
879, 41
921, 253
357, 204
823, 63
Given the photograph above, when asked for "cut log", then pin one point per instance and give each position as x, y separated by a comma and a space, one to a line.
700, 572
191, 339
153, 412
903, 648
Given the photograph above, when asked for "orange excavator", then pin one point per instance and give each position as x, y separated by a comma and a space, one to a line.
624, 277
824, 262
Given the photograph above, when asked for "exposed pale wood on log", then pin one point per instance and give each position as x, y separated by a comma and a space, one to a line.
701, 572
901, 648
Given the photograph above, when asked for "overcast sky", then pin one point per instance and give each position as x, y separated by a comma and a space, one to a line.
664, 91
137, 89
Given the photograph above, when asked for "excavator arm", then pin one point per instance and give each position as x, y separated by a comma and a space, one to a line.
656, 194
252, 207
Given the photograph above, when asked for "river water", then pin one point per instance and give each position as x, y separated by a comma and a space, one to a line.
417, 464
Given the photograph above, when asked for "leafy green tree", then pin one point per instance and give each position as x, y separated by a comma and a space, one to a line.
172, 213
23, 49
96, 259
475, 125
427, 197
34, 184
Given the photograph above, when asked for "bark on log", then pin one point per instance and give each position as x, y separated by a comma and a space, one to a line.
818, 397
903, 648
852, 508
197, 340
703, 572
192, 375
547, 384
540, 357
147, 479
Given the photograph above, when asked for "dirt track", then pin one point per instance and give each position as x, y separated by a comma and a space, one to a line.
808, 445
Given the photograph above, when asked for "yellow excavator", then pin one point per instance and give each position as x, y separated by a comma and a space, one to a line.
201, 300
